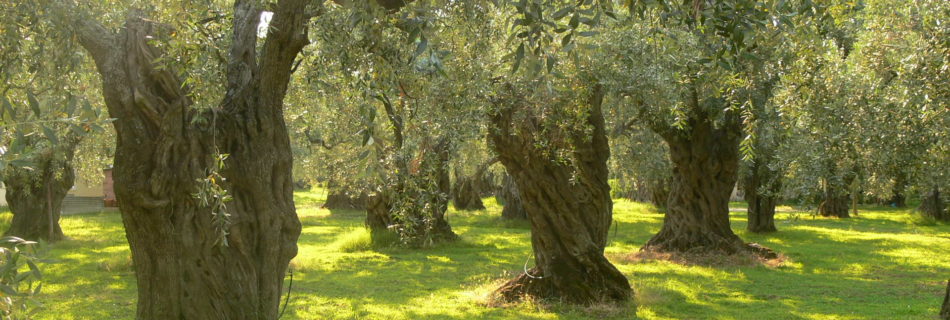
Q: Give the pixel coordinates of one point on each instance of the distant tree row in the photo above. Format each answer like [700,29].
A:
[218,110]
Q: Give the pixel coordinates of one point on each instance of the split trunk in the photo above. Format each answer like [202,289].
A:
[183,267]
[761,188]
[466,193]
[339,198]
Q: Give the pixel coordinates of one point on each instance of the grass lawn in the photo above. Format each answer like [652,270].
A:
[874,266]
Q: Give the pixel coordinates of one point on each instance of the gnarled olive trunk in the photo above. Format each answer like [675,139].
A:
[660,193]
[835,204]
[569,208]
[656,192]
[466,193]
[339,198]
[761,209]
[705,161]
[931,205]
[35,196]
[511,199]
[182,266]
[411,207]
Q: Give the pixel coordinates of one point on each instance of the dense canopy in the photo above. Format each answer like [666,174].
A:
[490,155]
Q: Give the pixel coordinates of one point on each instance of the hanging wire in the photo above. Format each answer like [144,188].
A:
[526,268]
[290,288]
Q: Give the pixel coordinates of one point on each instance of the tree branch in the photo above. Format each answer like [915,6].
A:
[285,39]
[92,35]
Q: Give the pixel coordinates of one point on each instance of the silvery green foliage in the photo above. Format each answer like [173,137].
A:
[639,158]
[20,278]
[392,80]
[45,90]
[871,117]
[818,96]
[902,65]
[713,60]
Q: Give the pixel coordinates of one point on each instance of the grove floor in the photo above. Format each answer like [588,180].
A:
[874,266]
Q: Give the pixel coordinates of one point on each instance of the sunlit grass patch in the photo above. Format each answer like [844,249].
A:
[874,266]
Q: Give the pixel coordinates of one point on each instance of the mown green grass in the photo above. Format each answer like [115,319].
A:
[874,266]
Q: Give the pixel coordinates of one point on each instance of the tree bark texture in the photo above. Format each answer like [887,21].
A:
[835,204]
[182,268]
[511,199]
[466,193]
[705,161]
[761,186]
[414,206]
[35,196]
[569,207]
[338,198]
[931,205]
[659,193]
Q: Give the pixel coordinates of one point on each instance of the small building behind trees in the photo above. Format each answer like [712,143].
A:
[84,196]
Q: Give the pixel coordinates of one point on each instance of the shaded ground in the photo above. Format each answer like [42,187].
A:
[875,266]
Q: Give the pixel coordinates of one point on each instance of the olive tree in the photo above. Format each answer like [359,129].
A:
[202,160]
[694,74]
[46,106]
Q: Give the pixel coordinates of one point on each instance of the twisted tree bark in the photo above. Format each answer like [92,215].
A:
[835,204]
[761,208]
[182,268]
[467,191]
[660,193]
[569,207]
[511,199]
[705,160]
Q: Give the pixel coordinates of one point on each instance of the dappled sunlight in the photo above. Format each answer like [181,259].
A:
[863,268]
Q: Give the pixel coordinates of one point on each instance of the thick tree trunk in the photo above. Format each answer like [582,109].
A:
[660,193]
[411,208]
[35,196]
[511,199]
[466,193]
[338,198]
[834,204]
[945,308]
[378,216]
[897,195]
[183,266]
[637,190]
[569,208]
[705,163]
[761,209]
[931,205]
[441,228]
